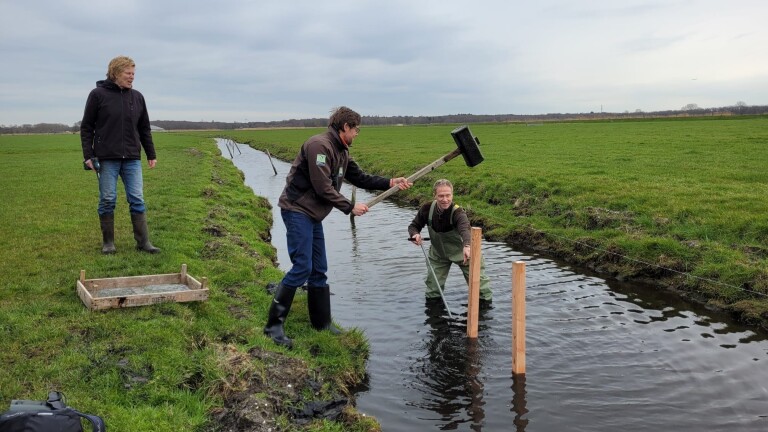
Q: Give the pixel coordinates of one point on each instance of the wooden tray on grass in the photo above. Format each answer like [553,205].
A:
[120,292]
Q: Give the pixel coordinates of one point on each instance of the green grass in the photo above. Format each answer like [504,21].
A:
[678,202]
[164,367]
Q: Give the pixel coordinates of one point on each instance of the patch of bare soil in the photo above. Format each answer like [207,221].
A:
[263,385]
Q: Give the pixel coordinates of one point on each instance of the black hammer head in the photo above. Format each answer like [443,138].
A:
[468,145]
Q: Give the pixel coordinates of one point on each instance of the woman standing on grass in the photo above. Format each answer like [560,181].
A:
[114,129]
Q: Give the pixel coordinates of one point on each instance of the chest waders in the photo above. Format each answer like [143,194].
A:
[448,248]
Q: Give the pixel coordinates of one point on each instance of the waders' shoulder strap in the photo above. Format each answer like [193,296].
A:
[431,212]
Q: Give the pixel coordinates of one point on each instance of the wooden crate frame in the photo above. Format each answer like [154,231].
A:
[87,288]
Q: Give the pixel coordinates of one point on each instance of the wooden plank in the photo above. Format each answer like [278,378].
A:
[149,299]
[193,283]
[132,281]
[84,295]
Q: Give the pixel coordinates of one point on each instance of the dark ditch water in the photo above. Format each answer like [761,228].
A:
[601,355]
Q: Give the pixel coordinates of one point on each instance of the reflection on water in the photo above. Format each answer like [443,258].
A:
[601,356]
[519,404]
[449,372]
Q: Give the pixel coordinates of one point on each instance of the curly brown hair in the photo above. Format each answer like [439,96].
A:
[344,115]
[117,65]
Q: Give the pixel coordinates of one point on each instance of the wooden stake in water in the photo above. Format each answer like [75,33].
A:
[518,318]
[473,305]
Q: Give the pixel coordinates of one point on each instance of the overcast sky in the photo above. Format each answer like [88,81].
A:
[248,60]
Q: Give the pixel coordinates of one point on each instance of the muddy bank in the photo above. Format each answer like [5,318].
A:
[612,263]
[282,393]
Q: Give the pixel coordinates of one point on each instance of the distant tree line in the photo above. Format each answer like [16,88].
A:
[37,128]
[689,110]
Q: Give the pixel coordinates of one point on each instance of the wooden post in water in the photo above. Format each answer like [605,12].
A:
[518,318]
[474,282]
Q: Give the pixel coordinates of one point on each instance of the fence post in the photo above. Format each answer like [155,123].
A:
[518,318]
[473,305]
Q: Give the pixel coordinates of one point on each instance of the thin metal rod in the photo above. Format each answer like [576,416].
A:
[432,270]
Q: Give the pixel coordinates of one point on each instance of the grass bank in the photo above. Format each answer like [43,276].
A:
[678,203]
[167,367]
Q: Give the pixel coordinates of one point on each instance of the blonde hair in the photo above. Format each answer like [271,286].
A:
[440,183]
[117,65]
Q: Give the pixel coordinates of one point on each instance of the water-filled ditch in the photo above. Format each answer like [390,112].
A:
[601,355]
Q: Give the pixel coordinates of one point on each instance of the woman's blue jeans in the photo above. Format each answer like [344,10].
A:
[306,247]
[130,172]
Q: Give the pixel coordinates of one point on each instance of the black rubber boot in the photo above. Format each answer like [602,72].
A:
[278,312]
[319,303]
[107,233]
[141,234]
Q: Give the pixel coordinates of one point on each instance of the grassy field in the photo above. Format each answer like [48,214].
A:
[680,203]
[167,367]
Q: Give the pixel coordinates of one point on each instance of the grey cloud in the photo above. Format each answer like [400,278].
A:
[233,59]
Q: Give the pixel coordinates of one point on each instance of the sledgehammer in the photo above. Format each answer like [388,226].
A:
[467,146]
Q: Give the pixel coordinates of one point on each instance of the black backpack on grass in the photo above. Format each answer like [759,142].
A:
[51,415]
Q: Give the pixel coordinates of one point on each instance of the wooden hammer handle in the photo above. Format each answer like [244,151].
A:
[415,176]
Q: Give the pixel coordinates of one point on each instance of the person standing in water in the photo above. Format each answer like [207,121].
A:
[450,236]
[311,192]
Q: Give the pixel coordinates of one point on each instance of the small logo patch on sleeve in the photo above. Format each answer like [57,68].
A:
[320,160]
